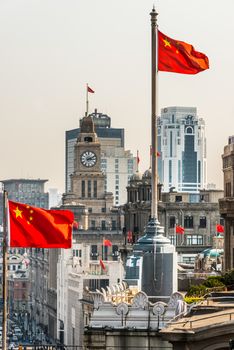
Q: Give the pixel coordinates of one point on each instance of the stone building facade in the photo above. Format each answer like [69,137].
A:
[197,213]
[132,322]
[79,270]
[89,264]
[226,204]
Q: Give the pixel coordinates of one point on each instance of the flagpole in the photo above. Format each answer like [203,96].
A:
[154,62]
[216,243]
[4,275]
[87,100]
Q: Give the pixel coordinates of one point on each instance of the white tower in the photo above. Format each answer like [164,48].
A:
[182,147]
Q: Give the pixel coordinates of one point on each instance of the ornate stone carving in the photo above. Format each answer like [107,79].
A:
[98,299]
[174,298]
[159,308]
[140,300]
[122,309]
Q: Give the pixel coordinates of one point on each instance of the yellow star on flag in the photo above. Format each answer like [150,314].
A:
[166,42]
[18,213]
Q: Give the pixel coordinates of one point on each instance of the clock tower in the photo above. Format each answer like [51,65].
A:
[88,180]
[87,149]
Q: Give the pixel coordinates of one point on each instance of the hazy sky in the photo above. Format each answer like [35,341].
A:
[51,48]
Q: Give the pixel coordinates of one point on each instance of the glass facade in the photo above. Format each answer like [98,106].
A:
[189,161]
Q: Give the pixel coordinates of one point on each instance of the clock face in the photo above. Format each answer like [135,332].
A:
[88,158]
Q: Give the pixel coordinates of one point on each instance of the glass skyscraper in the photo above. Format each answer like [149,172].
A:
[182,147]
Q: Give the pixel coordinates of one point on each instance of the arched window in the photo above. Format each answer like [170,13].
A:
[189,130]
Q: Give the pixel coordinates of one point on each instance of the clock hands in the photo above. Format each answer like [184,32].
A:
[88,158]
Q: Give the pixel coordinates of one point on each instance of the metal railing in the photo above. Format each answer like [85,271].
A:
[105,347]
[191,322]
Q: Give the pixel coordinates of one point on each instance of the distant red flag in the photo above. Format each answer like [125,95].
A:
[90,90]
[158,153]
[75,225]
[129,236]
[102,265]
[39,228]
[179,229]
[107,243]
[138,160]
[219,228]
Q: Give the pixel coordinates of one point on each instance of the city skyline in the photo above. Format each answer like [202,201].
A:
[50,50]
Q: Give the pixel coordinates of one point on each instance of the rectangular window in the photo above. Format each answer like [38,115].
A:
[83,188]
[115,252]
[188,259]
[179,171]
[113,225]
[95,188]
[94,252]
[178,199]
[194,239]
[228,189]
[97,284]
[199,171]
[172,221]
[105,252]
[89,188]
[170,172]
[170,143]
[188,221]
[75,252]
[103,225]
[93,225]
[103,210]
[202,223]
[173,239]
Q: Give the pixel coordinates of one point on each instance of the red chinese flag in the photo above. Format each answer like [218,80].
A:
[107,243]
[179,229]
[158,154]
[90,90]
[219,228]
[179,57]
[129,236]
[102,264]
[39,228]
